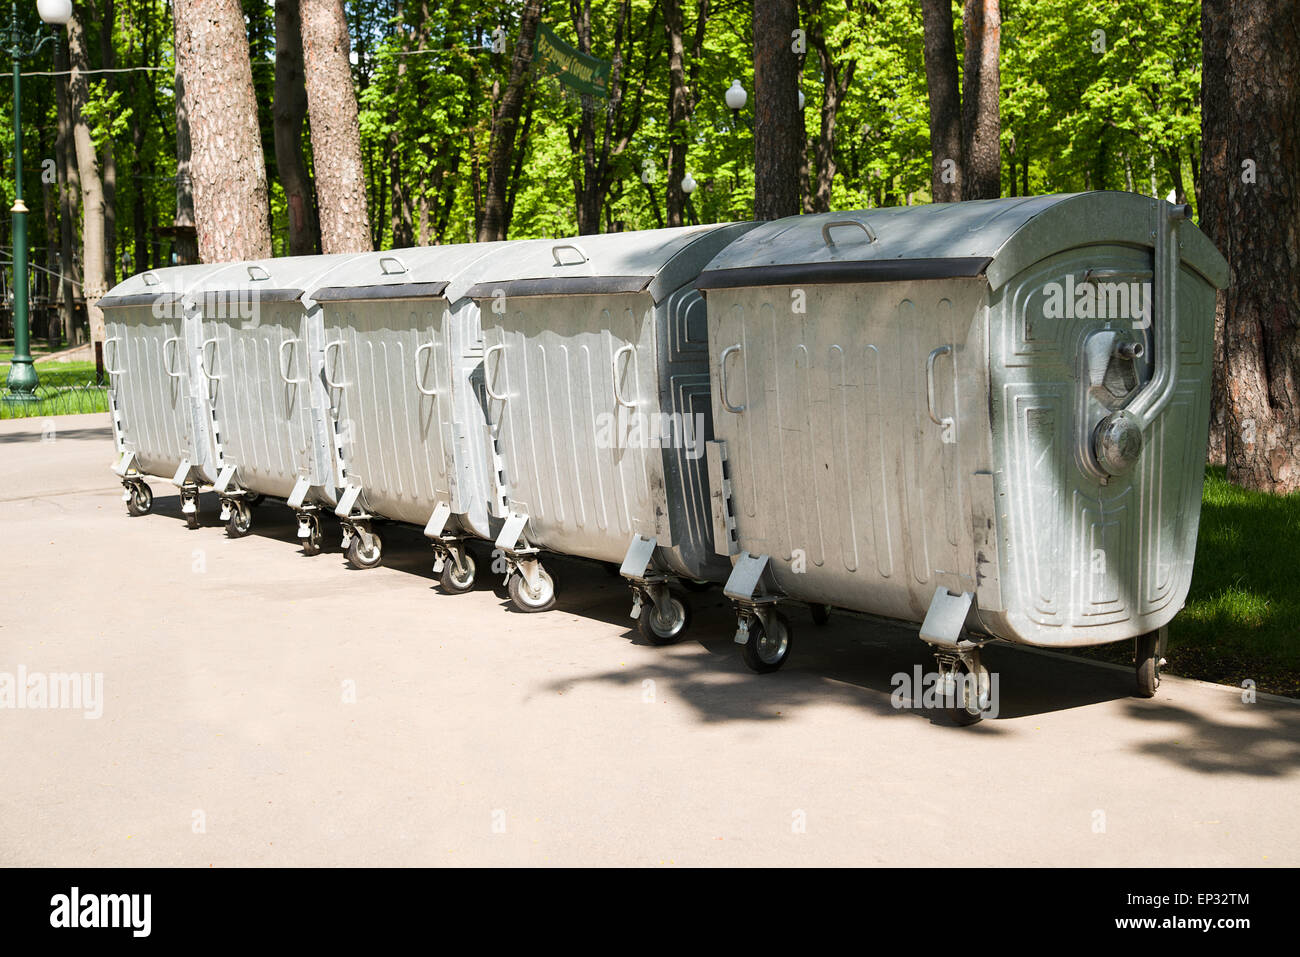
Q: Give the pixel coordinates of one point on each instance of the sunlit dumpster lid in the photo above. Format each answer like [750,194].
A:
[283,279]
[654,261]
[995,239]
[416,273]
[160,287]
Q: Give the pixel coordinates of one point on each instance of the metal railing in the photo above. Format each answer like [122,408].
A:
[60,392]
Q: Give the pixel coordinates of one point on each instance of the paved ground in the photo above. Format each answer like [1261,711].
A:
[483,736]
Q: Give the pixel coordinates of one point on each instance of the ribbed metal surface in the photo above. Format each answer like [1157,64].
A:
[153,407]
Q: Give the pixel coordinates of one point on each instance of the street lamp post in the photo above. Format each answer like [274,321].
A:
[22,380]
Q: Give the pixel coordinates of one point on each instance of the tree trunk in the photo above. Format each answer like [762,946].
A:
[777,120]
[678,113]
[288,113]
[185,242]
[92,189]
[66,170]
[948,157]
[505,126]
[1250,112]
[335,133]
[981,117]
[227,167]
[835,84]
[107,18]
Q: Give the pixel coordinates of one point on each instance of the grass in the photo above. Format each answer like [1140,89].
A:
[1240,621]
[65,388]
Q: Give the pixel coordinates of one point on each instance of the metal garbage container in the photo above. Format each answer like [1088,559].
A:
[989,418]
[596,372]
[262,358]
[162,419]
[405,370]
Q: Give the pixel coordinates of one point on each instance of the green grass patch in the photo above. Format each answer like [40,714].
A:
[1240,621]
[65,388]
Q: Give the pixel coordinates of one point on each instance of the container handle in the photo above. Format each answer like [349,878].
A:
[150,278]
[332,344]
[559,260]
[618,396]
[284,365]
[253,274]
[419,380]
[384,262]
[929,384]
[167,367]
[487,374]
[203,366]
[722,379]
[836,224]
[116,354]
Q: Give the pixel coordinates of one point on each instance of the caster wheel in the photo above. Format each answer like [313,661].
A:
[665,628]
[311,545]
[240,521]
[965,708]
[527,600]
[140,501]
[821,614]
[362,557]
[192,518]
[766,650]
[457,582]
[1148,664]
[254,500]
[692,584]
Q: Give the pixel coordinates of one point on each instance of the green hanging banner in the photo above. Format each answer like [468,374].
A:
[574,69]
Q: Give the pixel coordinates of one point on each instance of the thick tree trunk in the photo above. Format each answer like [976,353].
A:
[836,81]
[1251,131]
[679,108]
[335,133]
[185,242]
[505,127]
[948,156]
[288,113]
[227,167]
[777,120]
[92,188]
[69,187]
[981,117]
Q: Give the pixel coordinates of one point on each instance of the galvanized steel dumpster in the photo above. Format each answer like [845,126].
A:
[162,419]
[405,361]
[989,418]
[262,357]
[596,372]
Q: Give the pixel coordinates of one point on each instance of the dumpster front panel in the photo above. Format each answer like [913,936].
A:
[154,407]
[578,376]
[260,379]
[839,470]
[396,438]
[1086,561]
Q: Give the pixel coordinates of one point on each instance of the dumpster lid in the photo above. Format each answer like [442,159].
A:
[285,279]
[654,261]
[161,286]
[994,238]
[419,272]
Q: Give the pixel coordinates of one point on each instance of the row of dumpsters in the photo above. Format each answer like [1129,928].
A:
[985,418]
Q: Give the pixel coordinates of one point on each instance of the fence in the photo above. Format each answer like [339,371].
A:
[60,392]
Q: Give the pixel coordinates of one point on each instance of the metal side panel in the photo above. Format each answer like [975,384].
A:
[394,435]
[577,460]
[837,470]
[1084,562]
[153,407]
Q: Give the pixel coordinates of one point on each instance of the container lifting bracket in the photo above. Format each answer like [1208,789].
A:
[224,479]
[646,580]
[348,501]
[946,618]
[299,494]
[182,475]
[438,521]
[124,464]
[511,532]
[745,582]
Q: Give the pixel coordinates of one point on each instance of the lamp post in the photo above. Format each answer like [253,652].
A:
[22,380]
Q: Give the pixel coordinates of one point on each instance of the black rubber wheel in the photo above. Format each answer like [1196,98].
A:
[961,712]
[311,545]
[691,584]
[362,557]
[141,500]
[241,520]
[528,601]
[821,614]
[664,630]
[458,582]
[253,499]
[192,518]
[1148,664]
[765,652]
